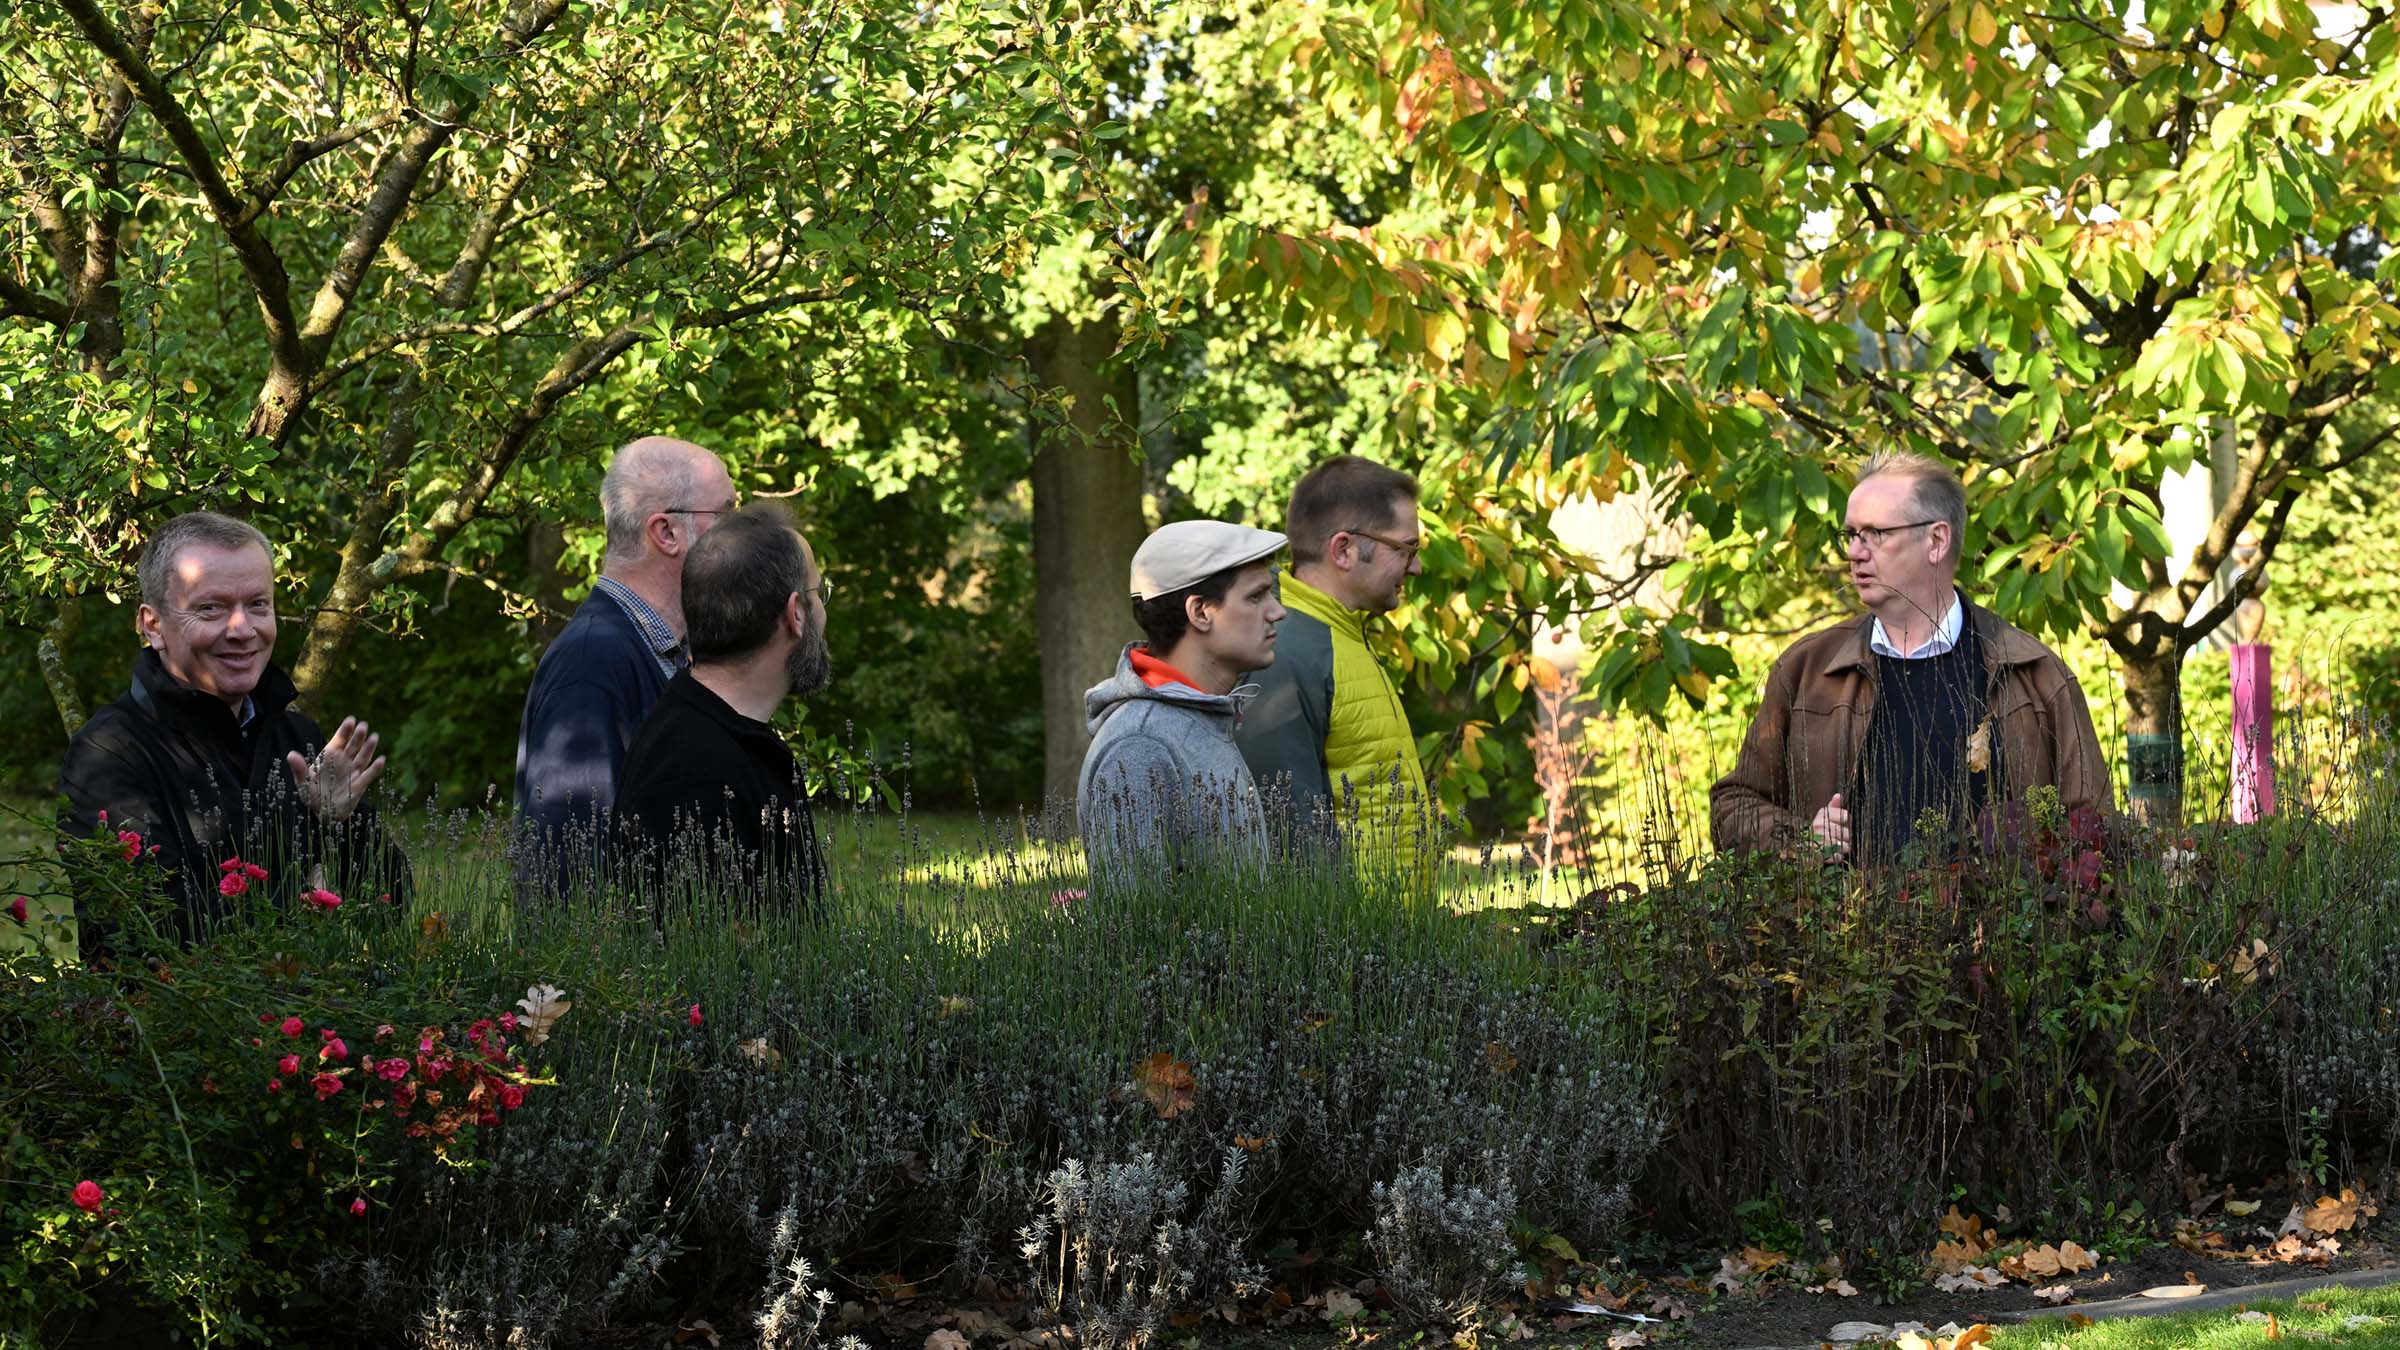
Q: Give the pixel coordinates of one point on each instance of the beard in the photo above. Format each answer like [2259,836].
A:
[810,664]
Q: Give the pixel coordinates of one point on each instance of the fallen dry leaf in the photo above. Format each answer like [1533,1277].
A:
[955,1005]
[2173,1291]
[2241,1209]
[945,1339]
[1626,1340]
[1166,1083]
[1838,1288]
[1850,1333]
[1731,1272]
[543,1005]
[759,1053]
[696,1329]
[1343,1306]
[2055,1294]
[1760,1260]
[2331,1215]
[1670,1307]
[1972,1280]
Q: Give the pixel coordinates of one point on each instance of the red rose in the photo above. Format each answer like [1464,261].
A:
[288,1065]
[131,843]
[89,1197]
[16,910]
[511,1096]
[335,1050]
[695,1014]
[326,1085]
[392,1070]
[232,883]
[254,871]
[323,899]
[359,1206]
[274,1085]
[293,1026]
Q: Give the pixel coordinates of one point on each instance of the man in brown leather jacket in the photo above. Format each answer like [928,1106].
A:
[1924,703]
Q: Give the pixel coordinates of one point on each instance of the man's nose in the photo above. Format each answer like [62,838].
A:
[239,621]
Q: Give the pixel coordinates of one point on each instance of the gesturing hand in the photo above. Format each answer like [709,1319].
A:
[1833,824]
[336,781]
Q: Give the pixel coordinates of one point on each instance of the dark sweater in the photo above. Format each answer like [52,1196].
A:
[709,795]
[181,769]
[1916,753]
[590,693]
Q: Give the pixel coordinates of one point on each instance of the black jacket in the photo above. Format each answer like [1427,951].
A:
[178,767]
[715,799]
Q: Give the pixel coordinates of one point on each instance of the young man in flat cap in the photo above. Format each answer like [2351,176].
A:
[1164,788]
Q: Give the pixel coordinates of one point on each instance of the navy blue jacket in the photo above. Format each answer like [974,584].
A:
[590,693]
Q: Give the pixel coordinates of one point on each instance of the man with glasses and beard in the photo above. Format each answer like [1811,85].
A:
[712,801]
[1326,739]
[598,681]
[1924,706]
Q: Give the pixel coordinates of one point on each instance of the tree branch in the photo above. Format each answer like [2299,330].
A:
[260,262]
[265,188]
[20,302]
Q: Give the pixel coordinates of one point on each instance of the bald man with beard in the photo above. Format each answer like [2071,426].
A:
[599,680]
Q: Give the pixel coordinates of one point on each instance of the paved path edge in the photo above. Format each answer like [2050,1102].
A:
[2234,1296]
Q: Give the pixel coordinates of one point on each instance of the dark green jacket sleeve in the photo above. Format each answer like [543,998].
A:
[1282,736]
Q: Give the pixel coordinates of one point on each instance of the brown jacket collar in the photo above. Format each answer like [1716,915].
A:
[2004,644]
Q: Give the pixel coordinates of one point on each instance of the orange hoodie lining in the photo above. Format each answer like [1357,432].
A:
[1155,672]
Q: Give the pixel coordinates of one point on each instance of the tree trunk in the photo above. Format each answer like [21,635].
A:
[51,652]
[356,581]
[1087,521]
[2154,734]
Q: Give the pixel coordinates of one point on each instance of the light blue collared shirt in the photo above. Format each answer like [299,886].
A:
[1945,635]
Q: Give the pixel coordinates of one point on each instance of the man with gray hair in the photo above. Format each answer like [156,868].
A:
[1924,706]
[601,677]
[203,767]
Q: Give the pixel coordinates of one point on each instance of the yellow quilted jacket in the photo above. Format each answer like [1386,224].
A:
[1326,733]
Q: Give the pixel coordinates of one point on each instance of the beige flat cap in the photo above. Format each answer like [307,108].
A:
[1192,551]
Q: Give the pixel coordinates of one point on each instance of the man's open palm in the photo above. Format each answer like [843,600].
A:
[336,781]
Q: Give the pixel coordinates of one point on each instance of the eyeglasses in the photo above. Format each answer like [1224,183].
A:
[1408,548]
[699,510]
[1875,535]
[823,590]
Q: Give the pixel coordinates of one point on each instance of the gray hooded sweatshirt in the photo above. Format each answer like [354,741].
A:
[1164,788]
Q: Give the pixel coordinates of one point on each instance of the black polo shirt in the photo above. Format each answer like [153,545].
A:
[713,803]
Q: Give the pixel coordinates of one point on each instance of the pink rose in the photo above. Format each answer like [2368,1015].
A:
[326,1085]
[231,884]
[293,1026]
[89,1197]
[131,843]
[383,1031]
[334,1050]
[274,1085]
[508,1021]
[358,1206]
[392,1070]
[695,1014]
[288,1065]
[17,911]
[254,871]
[323,899]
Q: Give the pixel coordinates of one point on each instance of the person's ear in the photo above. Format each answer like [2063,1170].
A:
[1195,613]
[1938,543]
[665,536]
[795,614]
[145,623]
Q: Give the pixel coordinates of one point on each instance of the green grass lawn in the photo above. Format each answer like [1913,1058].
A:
[2369,1317]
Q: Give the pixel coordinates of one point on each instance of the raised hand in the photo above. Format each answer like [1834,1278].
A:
[336,781]
[1833,824]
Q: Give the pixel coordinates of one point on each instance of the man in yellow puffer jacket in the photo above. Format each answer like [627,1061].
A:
[1326,733]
